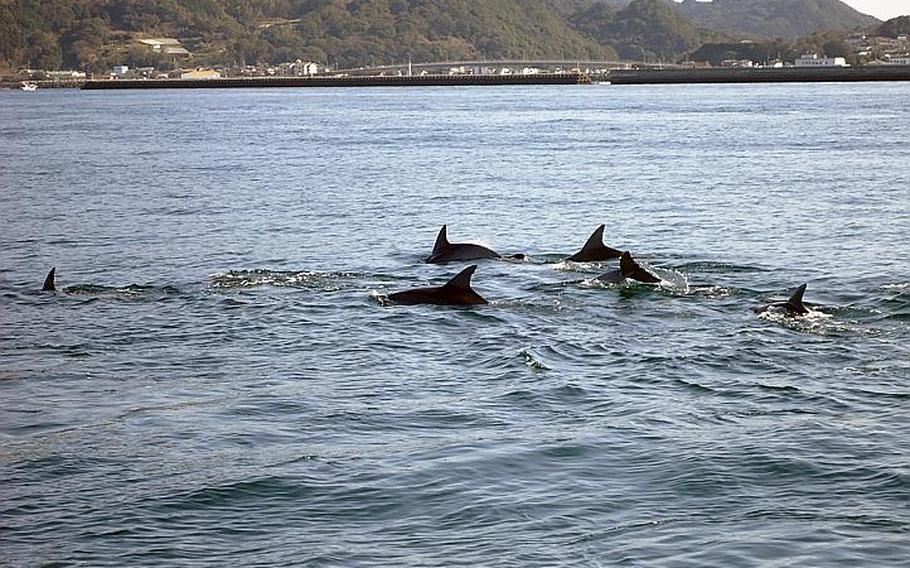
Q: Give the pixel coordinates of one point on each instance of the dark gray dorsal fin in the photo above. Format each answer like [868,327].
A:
[594,248]
[795,302]
[442,241]
[631,269]
[595,241]
[462,280]
[49,285]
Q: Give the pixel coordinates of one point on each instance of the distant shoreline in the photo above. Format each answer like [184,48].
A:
[615,77]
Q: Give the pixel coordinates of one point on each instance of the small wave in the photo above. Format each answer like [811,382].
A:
[695,387]
[869,393]
[778,388]
[633,525]
[718,267]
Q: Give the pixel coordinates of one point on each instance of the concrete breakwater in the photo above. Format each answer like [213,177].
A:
[760,75]
[372,81]
[64,84]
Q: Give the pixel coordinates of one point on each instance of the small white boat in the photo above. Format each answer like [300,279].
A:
[26,86]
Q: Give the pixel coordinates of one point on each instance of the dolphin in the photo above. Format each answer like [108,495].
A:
[444,251]
[795,304]
[595,249]
[455,292]
[49,285]
[628,268]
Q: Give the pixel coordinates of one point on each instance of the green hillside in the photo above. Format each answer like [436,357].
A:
[98,33]
[642,30]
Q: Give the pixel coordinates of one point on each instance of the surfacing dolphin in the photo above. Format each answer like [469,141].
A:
[795,304]
[49,284]
[444,251]
[630,269]
[455,292]
[595,249]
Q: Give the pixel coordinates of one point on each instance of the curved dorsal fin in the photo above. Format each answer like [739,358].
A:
[462,280]
[795,302]
[49,285]
[594,248]
[631,269]
[442,240]
[596,240]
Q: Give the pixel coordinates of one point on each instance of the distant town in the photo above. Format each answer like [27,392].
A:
[867,50]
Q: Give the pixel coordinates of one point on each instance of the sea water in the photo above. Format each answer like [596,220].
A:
[219,381]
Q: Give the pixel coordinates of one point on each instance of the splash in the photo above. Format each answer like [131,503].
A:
[815,322]
[533,361]
[240,279]
[132,292]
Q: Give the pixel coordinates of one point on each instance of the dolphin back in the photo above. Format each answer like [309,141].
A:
[455,292]
[631,269]
[444,251]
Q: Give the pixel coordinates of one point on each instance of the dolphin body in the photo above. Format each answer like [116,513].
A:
[630,269]
[49,284]
[444,251]
[595,249]
[455,292]
[795,304]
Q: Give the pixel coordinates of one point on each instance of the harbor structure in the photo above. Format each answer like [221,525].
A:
[813,60]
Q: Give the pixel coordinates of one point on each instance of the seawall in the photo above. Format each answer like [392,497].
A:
[761,75]
[373,81]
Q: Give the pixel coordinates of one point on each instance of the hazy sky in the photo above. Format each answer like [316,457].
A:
[882,9]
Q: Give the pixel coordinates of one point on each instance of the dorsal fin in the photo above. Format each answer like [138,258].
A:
[462,280]
[594,248]
[795,302]
[595,241]
[442,241]
[631,269]
[49,285]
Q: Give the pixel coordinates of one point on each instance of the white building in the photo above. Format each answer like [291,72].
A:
[120,70]
[903,60]
[813,60]
[201,74]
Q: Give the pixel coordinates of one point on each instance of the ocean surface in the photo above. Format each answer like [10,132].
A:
[219,380]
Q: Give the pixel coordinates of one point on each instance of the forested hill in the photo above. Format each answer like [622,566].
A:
[775,18]
[95,34]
